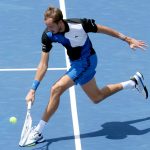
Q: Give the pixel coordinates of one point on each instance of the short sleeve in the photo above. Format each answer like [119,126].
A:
[46,43]
[89,25]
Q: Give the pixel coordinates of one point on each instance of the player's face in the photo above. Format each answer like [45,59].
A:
[53,26]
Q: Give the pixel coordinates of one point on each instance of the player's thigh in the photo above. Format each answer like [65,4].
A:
[63,83]
[91,89]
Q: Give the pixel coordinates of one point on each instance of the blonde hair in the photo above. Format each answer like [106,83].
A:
[54,13]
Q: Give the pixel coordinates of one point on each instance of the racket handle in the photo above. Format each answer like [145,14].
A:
[29,105]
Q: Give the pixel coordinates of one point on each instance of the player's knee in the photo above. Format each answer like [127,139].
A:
[96,99]
[56,90]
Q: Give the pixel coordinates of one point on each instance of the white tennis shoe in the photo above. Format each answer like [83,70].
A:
[139,84]
[34,137]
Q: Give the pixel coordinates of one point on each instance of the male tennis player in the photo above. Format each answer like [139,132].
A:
[73,35]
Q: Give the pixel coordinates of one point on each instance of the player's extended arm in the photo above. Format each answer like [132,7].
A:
[133,43]
[41,70]
[42,67]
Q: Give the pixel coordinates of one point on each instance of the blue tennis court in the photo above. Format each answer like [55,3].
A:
[122,121]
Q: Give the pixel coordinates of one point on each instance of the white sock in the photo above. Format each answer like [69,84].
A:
[40,126]
[128,84]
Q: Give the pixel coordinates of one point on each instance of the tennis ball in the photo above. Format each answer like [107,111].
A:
[13,120]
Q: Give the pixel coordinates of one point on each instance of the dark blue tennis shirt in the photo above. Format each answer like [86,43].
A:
[75,38]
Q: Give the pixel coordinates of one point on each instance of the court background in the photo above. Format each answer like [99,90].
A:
[121,121]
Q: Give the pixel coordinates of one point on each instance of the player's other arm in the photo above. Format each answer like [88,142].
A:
[41,70]
[133,43]
[42,67]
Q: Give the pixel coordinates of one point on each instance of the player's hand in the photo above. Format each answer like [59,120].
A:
[133,43]
[30,96]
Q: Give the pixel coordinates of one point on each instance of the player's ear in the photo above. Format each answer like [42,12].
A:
[60,22]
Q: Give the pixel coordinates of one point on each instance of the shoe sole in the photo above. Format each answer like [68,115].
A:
[34,143]
[141,78]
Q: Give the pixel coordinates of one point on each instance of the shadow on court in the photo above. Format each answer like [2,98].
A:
[111,130]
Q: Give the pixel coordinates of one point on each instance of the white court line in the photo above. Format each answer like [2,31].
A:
[72,95]
[29,69]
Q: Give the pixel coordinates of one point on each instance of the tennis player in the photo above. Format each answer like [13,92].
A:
[73,35]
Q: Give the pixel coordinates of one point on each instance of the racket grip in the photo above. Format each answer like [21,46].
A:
[29,105]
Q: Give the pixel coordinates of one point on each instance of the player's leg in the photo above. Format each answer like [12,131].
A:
[57,89]
[97,94]
[88,83]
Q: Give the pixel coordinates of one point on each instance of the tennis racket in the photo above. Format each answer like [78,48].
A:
[26,127]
